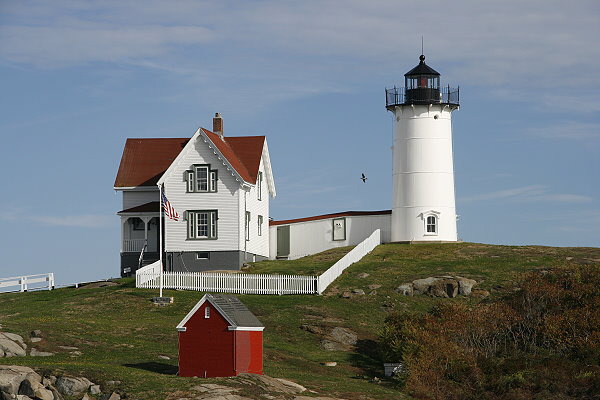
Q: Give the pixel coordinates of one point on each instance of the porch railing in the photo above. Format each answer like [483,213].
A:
[130,245]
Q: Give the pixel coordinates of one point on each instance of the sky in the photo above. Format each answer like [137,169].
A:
[79,77]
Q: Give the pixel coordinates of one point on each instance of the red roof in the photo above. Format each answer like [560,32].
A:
[145,160]
[326,216]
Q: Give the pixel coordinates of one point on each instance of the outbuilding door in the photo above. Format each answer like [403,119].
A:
[283,241]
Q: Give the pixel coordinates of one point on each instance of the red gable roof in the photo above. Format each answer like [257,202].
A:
[144,161]
[326,216]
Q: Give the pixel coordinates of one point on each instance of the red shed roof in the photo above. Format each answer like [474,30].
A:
[334,215]
[144,161]
[231,308]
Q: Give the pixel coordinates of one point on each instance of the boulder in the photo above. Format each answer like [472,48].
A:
[358,292]
[36,339]
[373,287]
[346,295]
[36,333]
[406,289]
[112,396]
[363,275]
[465,285]
[479,293]
[15,338]
[421,286]
[291,384]
[95,389]
[32,387]
[11,377]
[10,347]
[330,345]
[70,386]
[444,287]
[344,336]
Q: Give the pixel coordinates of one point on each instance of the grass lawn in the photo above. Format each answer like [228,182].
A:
[121,333]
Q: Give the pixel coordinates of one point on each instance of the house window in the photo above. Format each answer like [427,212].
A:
[431,224]
[202,224]
[259,185]
[207,312]
[202,255]
[137,224]
[201,179]
[247,225]
[260,222]
[339,229]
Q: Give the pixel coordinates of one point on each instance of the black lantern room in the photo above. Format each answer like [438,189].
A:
[422,84]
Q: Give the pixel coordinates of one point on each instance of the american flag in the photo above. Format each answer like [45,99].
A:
[169,210]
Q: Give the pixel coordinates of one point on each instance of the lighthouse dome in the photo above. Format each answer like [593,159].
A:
[422,69]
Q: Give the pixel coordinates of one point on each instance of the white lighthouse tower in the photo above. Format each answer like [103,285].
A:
[423,208]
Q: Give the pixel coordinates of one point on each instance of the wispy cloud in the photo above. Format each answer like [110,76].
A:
[532,193]
[572,130]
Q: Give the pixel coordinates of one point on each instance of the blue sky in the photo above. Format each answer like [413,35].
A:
[79,77]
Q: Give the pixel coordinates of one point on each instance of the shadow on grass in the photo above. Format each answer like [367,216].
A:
[152,366]
[366,357]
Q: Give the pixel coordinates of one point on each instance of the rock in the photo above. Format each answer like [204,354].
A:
[70,386]
[291,384]
[330,345]
[113,383]
[362,275]
[406,289]
[11,377]
[23,397]
[32,387]
[444,287]
[36,333]
[344,336]
[112,396]
[465,285]
[87,397]
[15,338]
[312,329]
[49,380]
[479,293]
[329,363]
[421,286]
[373,287]
[269,384]
[569,258]
[36,339]
[68,348]
[75,353]
[346,295]
[358,292]
[95,389]
[36,353]
[372,292]
[164,357]
[10,347]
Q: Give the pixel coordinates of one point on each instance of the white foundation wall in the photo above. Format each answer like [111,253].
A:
[225,200]
[311,237]
[248,199]
[133,198]
[423,173]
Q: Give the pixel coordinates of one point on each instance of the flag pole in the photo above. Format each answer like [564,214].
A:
[160,284]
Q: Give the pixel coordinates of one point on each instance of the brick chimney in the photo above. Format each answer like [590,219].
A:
[218,125]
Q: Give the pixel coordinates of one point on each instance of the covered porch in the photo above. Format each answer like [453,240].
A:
[139,231]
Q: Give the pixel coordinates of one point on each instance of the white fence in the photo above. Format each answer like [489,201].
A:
[26,281]
[149,277]
[354,255]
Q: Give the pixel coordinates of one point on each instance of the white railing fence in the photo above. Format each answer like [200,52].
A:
[149,277]
[131,245]
[354,255]
[29,282]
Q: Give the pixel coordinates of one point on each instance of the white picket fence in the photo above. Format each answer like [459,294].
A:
[354,255]
[29,282]
[149,277]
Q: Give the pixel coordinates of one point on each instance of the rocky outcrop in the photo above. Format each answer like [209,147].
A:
[438,286]
[12,345]
[23,383]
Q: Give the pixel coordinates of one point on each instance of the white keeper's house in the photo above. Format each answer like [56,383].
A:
[221,186]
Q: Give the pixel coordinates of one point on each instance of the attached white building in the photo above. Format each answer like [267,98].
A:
[219,186]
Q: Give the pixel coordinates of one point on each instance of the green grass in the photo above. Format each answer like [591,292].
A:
[121,333]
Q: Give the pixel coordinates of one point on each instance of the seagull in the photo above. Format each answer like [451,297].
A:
[363,178]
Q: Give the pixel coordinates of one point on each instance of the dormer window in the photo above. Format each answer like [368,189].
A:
[201,179]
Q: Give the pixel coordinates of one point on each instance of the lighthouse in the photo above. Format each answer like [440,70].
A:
[423,204]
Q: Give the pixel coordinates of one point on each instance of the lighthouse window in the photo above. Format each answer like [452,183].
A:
[431,224]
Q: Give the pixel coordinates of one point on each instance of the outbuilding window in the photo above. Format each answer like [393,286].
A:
[207,312]
[201,179]
[202,224]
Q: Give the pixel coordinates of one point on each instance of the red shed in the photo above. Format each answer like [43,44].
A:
[220,337]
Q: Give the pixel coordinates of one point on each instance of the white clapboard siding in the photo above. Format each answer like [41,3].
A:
[225,200]
[133,198]
[361,250]
[229,283]
[249,201]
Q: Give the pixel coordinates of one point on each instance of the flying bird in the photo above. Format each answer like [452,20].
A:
[363,178]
